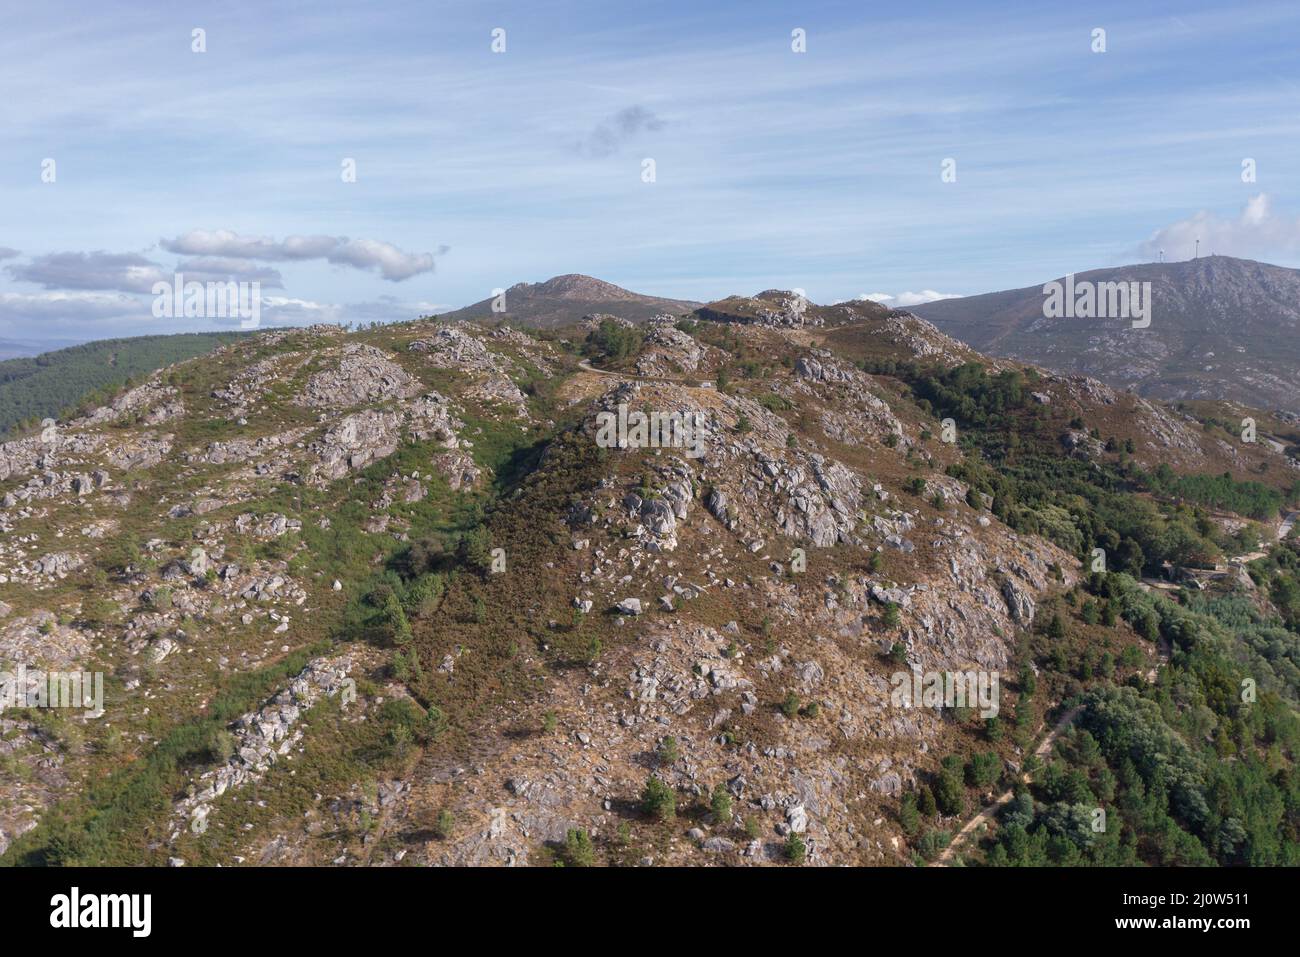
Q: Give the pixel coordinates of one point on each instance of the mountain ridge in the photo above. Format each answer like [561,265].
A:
[1222,328]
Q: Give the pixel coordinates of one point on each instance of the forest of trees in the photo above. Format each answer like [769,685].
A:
[47,385]
[1196,769]
[613,340]
[1253,499]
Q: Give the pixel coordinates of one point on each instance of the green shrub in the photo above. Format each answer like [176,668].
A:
[444,824]
[909,815]
[949,792]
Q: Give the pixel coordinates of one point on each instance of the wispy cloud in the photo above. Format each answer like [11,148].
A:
[285,310]
[612,134]
[225,269]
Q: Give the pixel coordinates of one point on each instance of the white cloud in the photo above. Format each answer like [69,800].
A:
[34,315]
[283,310]
[367,254]
[905,299]
[1256,233]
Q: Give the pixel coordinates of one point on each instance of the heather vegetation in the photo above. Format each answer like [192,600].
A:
[483,604]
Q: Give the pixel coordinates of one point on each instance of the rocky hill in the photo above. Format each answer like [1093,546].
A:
[1222,328]
[567,299]
[387,597]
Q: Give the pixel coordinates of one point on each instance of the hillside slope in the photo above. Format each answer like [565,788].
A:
[387,597]
[1222,328]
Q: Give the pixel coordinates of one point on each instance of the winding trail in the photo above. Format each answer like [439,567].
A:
[586,366]
[1162,659]
[986,815]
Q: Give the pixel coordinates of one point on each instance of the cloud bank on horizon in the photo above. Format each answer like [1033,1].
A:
[904,299]
[1257,232]
[975,149]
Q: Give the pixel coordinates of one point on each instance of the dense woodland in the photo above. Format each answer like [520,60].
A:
[51,384]
[1197,768]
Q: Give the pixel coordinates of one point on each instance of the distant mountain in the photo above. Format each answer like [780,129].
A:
[565,299]
[1221,328]
[10,349]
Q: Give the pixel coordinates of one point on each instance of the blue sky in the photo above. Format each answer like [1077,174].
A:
[475,170]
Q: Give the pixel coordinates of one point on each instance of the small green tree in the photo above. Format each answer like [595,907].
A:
[790,706]
[983,769]
[578,849]
[949,792]
[933,843]
[909,816]
[892,616]
[720,805]
[795,849]
[993,729]
[925,803]
[658,800]
[668,753]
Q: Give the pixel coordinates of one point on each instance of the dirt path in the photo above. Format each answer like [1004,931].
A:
[586,366]
[1283,530]
[986,815]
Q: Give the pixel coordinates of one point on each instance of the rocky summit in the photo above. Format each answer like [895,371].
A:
[389,597]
